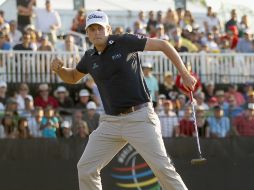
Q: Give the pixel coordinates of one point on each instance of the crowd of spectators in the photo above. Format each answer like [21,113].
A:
[54,113]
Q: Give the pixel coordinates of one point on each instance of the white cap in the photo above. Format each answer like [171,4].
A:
[61,89]
[3,84]
[66,124]
[91,105]
[84,92]
[147,65]
[97,17]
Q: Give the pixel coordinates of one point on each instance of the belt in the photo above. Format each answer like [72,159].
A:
[133,108]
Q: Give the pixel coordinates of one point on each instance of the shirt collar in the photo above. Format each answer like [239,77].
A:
[110,42]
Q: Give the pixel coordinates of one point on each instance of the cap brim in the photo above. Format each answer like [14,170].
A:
[100,23]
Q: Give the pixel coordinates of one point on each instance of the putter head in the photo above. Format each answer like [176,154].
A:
[198,161]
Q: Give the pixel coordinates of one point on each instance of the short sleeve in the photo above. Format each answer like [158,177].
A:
[82,66]
[134,42]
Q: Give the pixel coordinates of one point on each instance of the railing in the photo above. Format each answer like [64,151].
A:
[34,67]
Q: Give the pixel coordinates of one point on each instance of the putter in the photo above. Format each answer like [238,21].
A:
[200,160]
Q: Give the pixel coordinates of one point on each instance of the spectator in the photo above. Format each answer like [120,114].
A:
[79,22]
[178,44]
[3,90]
[23,92]
[30,29]
[25,45]
[49,123]
[48,21]
[25,12]
[45,44]
[200,100]
[139,28]
[181,105]
[244,124]
[232,21]
[212,21]
[77,118]
[142,20]
[3,22]
[188,19]
[219,124]
[66,129]
[233,90]
[186,125]
[233,110]
[82,130]
[212,45]
[209,90]
[118,30]
[202,123]
[91,116]
[23,130]
[244,24]
[12,109]
[170,21]
[28,110]
[151,82]
[180,13]
[151,24]
[84,97]
[160,32]
[167,87]
[4,44]
[64,100]
[231,38]
[34,122]
[168,119]
[245,43]
[15,34]
[10,127]
[44,99]
[220,96]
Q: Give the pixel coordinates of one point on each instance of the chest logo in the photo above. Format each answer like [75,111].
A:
[95,66]
[116,56]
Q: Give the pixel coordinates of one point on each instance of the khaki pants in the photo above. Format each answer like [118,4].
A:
[142,130]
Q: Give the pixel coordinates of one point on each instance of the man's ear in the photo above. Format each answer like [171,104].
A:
[109,29]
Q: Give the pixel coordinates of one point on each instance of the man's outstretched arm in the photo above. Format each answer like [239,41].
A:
[68,75]
[161,45]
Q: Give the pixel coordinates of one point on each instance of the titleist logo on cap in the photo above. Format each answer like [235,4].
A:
[94,16]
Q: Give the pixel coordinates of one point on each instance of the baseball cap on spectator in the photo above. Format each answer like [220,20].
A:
[200,108]
[3,84]
[60,89]
[91,106]
[84,92]
[219,93]
[29,27]
[213,100]
[147,65]
[209,83]
[181,96]
[66,124]
[97,17]
[168,73]
[250,106]
[188,28]
[43,87]
[162,96]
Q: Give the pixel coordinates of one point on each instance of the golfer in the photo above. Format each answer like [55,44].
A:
[129,115]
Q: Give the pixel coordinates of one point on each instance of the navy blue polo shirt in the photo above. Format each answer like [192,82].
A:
[117,72]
